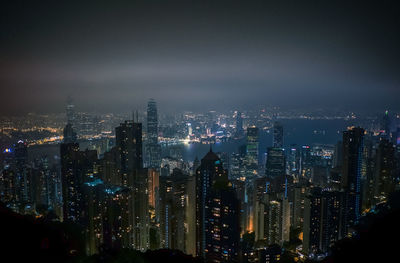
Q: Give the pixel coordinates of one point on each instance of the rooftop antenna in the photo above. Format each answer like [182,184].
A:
[137,116]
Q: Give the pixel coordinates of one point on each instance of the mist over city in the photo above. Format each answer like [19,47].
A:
[199,131]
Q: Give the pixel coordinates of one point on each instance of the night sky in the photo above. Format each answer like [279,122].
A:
[198,55]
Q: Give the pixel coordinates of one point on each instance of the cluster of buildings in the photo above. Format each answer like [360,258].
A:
[225,207]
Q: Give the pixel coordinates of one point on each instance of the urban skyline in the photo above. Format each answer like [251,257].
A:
[199,132]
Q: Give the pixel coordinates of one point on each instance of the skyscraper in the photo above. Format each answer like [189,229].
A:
[153,149]
[129,144]
[252,152]
[134,177]
[353,141]
[239,125]
[385,180]
[277,140]
[323,220]
[275,168]
[173,195]
[217,212]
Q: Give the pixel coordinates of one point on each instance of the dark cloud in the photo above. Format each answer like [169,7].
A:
[190,55]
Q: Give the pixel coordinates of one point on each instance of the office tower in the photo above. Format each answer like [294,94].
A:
[173,195]
[277,140]
[385,180]
[353,141]
[70,110]
[217,212]
[293,162]
[323,220]
[239,125]
[252,152]
[306,162]
[275,168]
[153,149]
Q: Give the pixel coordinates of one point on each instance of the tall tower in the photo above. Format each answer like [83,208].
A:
[217,212]
[239,124]
[277,140]
[133,176]
[70,109]
[153,150]
[353,141]
[129,144]
[252,151]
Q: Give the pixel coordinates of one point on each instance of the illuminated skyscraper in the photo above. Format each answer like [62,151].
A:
[353,141]
[252,152]
[173,202]
[206,174]
[385,178]
[134,177]
[129,144]
[153,149]
[323,220]
[217,212]
[275,168]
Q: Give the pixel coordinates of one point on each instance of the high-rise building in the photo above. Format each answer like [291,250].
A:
[206,174]
[217,212]
[222,229]
[293,162]
[385,178]
[153,149]
[275,168]
[134,177]
[239,125]
[173,196]
[252,152]
[76,168]
[353,141]
[323,220]
[118,225]
[277,140]
[93,207]
[129,144]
